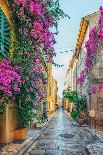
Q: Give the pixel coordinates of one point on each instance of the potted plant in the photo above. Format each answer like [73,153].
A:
[80,106]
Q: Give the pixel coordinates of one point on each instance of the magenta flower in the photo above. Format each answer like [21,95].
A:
[93,43]
[101,9]
[38,26]
[31,6]
[37,9]
[10,80]
[23,2]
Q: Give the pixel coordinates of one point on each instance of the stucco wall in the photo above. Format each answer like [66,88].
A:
[8,123]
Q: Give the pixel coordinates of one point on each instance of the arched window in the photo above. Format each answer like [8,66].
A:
[4,34]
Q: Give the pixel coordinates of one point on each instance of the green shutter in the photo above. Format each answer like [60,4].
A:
[4,34]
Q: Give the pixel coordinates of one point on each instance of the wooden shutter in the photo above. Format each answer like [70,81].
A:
[4,34]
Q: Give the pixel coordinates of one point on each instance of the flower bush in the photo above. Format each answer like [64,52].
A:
[33,48]
[81,78]
[79,103]
[93,45]
[95,41]
[35,19]
[95,89]
[10,80]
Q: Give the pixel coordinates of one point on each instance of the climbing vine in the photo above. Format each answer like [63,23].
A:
[33,47]
[93,45]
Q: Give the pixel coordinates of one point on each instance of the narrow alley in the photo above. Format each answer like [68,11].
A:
[51,77]
[61,137]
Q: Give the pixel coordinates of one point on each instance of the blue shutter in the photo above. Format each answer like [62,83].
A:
[4,34]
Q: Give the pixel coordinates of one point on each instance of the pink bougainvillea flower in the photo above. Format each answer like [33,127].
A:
[23,2]
[100,34]
[10,80]
[38,26]
[37,8]
[31,6]
[101,9]
[96,89]
[100,21]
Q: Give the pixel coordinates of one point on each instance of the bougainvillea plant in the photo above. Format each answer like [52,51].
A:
[96,89]
[33,43]
[95,41]
[80,79]
[93,45]
[10,80]
[10,83]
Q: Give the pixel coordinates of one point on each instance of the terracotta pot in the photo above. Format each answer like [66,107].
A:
[21,133]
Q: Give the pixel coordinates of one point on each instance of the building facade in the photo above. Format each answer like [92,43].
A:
[90,21]
[51,91]
[71,81]
[59,101]
[95,74]
[55,90]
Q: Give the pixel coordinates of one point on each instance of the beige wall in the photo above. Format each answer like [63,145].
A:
[51,90]
[55,90]
[8,123]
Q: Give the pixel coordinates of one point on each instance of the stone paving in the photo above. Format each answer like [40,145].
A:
[20,145]
[63,138]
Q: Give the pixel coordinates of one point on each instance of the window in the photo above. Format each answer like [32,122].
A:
[4,34]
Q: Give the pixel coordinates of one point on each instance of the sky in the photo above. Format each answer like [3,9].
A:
[68,32]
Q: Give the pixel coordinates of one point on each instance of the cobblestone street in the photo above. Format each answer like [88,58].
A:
[63,138]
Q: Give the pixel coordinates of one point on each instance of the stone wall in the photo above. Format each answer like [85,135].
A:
[96,78]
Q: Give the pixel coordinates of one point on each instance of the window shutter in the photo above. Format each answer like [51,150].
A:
[4,34]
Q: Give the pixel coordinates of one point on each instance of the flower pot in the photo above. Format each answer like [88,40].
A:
[21,133]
